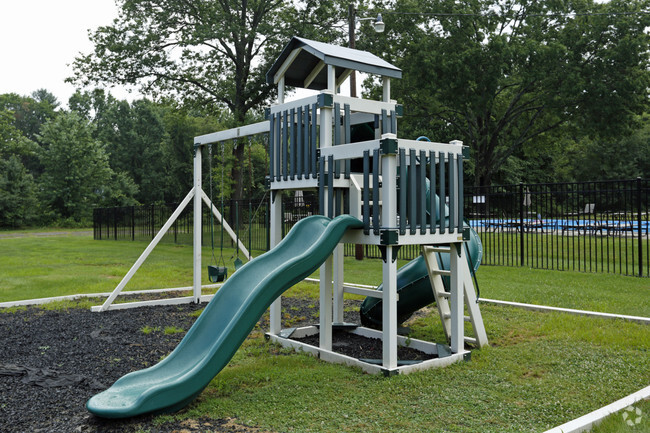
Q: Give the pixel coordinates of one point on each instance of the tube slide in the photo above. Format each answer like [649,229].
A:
[224,324]
[413,286]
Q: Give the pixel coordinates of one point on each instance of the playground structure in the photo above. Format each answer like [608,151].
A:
[374,189]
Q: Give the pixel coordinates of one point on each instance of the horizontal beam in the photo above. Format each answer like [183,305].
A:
[545,308]
[41,301]
[308,100]
[373,293]
[365,105]
[355,150]
[230,134]
[429,145]
[169,301]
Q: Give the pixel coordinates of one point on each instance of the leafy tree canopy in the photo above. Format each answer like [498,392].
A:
[211,55]
[503,74]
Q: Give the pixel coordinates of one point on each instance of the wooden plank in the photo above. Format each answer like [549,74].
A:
[233,133]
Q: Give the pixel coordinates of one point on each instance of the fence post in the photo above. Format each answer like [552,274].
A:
[638,221]
[132,223]
[153,216]
[521,224]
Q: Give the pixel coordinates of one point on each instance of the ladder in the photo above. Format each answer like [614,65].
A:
[442,297]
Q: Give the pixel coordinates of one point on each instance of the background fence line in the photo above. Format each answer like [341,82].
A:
[583,226]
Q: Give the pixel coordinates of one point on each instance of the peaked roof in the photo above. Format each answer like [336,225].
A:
[302,64]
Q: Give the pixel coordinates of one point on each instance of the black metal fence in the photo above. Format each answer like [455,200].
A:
[586,226]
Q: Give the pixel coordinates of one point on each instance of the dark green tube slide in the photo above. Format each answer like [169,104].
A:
[413,286]
[224,324]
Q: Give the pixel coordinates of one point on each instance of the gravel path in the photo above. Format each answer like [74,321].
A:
[53,361]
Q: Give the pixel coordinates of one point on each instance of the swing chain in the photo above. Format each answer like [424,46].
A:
[211,203]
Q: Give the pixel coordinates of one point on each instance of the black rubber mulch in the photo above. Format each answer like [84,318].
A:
[51,362]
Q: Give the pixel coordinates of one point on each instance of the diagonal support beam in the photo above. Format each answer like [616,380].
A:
[148,250]
[225,225]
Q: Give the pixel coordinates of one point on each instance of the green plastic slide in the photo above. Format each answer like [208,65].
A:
[224,324]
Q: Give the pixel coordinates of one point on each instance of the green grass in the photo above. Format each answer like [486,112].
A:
[41,267]
[173,330]
[541,370]
[609,293]
[148,329]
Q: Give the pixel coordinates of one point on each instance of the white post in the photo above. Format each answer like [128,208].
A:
[331,78]
[275,312]
[198,228]
[389,274]
[385,89]
[389,312]
[325,338]
[338,284]
[275,325]
[326,269]
[281,90]
[457,303]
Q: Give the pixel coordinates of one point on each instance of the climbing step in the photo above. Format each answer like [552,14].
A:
[443,297]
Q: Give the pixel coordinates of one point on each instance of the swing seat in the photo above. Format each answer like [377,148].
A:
[238,263]
[217,274]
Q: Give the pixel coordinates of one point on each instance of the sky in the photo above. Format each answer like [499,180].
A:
[39,40]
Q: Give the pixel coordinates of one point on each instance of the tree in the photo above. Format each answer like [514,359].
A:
[18,202]
[77,173]
[504,74]
[30,112]
[212,55]
[609,158]
[12,140]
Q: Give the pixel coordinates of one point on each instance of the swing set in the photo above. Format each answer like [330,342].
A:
[217,270]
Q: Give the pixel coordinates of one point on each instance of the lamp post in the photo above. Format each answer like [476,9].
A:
[379,27]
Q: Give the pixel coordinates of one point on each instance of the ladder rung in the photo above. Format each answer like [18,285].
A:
[471,340]
[444,294]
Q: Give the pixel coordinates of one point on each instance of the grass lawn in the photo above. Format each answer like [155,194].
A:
[541,370]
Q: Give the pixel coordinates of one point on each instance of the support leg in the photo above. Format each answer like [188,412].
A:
[325,341]
[197,229]
[389,311]
[457,299]
[338,284]
[275,325]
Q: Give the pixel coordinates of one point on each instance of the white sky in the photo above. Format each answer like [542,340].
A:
[39,40]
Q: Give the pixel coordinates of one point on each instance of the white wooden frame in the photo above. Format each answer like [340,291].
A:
[197,195]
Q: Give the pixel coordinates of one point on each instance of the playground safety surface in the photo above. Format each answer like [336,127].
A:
[52,361]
